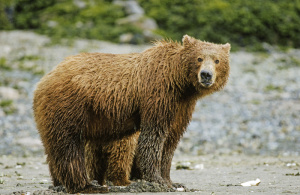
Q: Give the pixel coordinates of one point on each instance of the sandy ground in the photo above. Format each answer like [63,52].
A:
[257,113]
[208,174]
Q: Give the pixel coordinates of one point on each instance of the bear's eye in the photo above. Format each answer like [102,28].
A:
[217,61]
[200,59]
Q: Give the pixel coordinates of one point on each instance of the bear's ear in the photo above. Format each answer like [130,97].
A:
[226,47]
[188,41]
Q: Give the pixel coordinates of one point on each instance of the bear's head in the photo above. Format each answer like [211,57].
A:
[208,63]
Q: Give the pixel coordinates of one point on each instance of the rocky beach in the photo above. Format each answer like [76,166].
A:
[256,116]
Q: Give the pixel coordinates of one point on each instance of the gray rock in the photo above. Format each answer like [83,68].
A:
[131,7]
[126,38]
[148,24]
[137,18]
[9,93]
[1,115]
[80,4]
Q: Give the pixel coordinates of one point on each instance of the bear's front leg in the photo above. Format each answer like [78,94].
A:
[176,130]
[167,155]
[149,154]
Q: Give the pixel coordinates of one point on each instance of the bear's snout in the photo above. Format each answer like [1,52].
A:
[206,78]
[206,75]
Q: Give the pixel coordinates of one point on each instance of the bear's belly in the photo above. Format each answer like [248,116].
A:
[101,128]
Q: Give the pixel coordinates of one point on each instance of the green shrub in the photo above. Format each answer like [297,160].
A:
[64,19]
[5,22]
[244,23]
[28,13]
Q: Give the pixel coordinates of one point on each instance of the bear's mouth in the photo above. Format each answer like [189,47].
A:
[206,84]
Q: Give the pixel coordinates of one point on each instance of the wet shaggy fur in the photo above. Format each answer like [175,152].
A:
[95,112]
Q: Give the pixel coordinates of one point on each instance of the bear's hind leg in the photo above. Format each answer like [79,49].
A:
[120,159]
[52,170]
[67,164]
[149,155]
[96,161]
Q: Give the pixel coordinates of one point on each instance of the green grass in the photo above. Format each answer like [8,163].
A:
[7,106]
[295,62]
[6,103]
[35,69]
[256,102]
[271,87]
[4,65]
[29,57]
[250,70]
[288,62]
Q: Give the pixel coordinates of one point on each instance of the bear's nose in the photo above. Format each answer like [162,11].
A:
[206,75]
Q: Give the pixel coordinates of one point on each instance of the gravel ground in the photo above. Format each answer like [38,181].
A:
[257,113]
[209,174]
[249,130]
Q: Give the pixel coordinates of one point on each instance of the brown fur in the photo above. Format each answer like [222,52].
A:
[91,109]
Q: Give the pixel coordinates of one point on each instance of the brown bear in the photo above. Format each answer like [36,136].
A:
[95,112]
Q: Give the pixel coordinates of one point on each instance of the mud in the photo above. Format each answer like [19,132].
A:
[208,174]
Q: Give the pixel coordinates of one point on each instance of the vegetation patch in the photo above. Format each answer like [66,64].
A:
[4,65]
[29,57]
[33,68]
[243,23]
[69,19]
[7,106]
[273,88]
[288,62]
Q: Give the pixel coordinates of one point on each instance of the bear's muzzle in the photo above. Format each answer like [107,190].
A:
[206,78]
